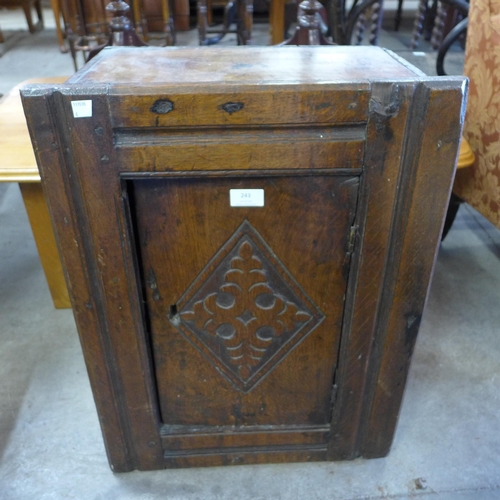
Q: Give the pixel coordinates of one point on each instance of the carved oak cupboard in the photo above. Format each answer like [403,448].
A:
[248,236]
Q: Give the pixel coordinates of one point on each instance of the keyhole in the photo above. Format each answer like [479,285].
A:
[173,311]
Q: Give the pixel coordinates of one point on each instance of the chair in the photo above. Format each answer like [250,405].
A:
[480,184]
[310,21]
[122,32]
[154,20]
[87,23]
[347,22]
[26,5]
[238,12]
[437,18]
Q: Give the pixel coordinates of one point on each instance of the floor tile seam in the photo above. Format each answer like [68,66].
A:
[423,494]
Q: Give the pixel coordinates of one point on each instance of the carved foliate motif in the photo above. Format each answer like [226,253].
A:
[244,311]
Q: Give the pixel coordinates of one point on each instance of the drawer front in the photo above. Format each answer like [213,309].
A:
[332,104]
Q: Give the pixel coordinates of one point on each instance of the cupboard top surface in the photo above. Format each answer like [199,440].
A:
[243,65]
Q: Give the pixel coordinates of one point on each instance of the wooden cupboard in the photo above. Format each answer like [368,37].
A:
[248,236]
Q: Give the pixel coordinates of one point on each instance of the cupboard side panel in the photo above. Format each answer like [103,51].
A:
[421,221]
[49,143]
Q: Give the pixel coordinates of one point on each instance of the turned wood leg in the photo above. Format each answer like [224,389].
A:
[376,21]
[249,21]
[418,26]
[437,31]
[359,31]
[202,21]
[167,23]
[39,218]
[277,21]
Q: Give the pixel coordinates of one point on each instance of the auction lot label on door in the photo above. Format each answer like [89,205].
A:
[246,197]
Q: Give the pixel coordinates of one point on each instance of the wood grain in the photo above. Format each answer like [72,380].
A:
[259,149]
[38,214]
[219,335]
[199,213]
[260,105]
[47,128]
[245,66]
[385,137]
[428,188]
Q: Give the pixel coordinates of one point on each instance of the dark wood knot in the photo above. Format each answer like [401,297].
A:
[232,107]
[162,106]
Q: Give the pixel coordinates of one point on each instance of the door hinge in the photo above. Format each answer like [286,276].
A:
[335,391]
[333,400]
[352,239]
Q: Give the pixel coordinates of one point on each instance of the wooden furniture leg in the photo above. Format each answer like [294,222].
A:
[39,218]
[418,25]
[466,159]
[277,21]
[439,24]
[308,31]
[181,15]
[167,23]
[202,11]
[399,15]
[29,20]
[39,12]
[26,6]
[246,18]
[56,8]
[376,21]
[237,12]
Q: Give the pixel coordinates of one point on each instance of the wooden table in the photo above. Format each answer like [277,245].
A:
[17,164]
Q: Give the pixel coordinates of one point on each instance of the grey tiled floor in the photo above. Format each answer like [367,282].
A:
[50,442]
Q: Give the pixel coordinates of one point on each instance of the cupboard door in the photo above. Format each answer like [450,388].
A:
[244,304]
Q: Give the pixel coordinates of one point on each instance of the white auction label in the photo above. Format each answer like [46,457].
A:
[246,197]
[82,109]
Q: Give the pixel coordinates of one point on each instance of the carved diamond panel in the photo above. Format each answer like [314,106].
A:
[245,312]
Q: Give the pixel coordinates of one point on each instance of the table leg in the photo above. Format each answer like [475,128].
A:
[39,218]
[277,21]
